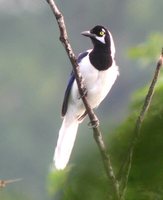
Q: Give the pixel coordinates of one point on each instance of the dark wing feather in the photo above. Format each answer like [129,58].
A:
[81,56]
[67,94]
[69,86]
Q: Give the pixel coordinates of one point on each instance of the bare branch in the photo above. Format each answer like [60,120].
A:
[93,118]
[125,169]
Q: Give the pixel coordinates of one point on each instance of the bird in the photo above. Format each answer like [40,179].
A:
[3,183]
[99,72]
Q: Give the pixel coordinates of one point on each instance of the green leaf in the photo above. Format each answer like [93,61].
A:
[148,51]
[57,180]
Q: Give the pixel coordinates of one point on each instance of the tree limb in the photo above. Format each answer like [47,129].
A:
[125,169]
[93,118]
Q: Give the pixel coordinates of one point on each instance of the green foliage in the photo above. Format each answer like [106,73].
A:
[148,51]
[146,174]
[57,180]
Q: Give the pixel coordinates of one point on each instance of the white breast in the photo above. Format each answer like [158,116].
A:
[98,83]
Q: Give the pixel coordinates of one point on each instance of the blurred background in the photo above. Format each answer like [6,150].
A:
[34,71]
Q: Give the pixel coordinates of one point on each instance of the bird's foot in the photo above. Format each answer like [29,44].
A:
[94,124]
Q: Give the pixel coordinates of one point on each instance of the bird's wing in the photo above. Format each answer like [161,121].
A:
[82,55]
[67,94]
[70,83]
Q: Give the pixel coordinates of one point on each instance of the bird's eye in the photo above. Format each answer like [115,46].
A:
[101,33]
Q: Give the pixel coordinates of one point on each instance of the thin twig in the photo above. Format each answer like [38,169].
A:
[125,169]
[93,118]
[3,183]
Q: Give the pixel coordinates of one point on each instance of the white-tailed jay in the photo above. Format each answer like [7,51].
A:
[99,72]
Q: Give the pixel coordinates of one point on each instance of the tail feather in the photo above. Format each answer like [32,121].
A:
[65,143]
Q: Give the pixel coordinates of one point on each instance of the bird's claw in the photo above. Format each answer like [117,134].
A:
[94,124]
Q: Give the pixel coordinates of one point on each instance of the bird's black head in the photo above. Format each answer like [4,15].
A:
[103,53]
[98,34]
[101,38]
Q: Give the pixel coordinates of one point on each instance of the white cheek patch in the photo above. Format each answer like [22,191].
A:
[101,39]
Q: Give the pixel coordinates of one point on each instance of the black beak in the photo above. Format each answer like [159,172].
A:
[88,34]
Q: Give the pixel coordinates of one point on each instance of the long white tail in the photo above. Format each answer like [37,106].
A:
[65,143]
